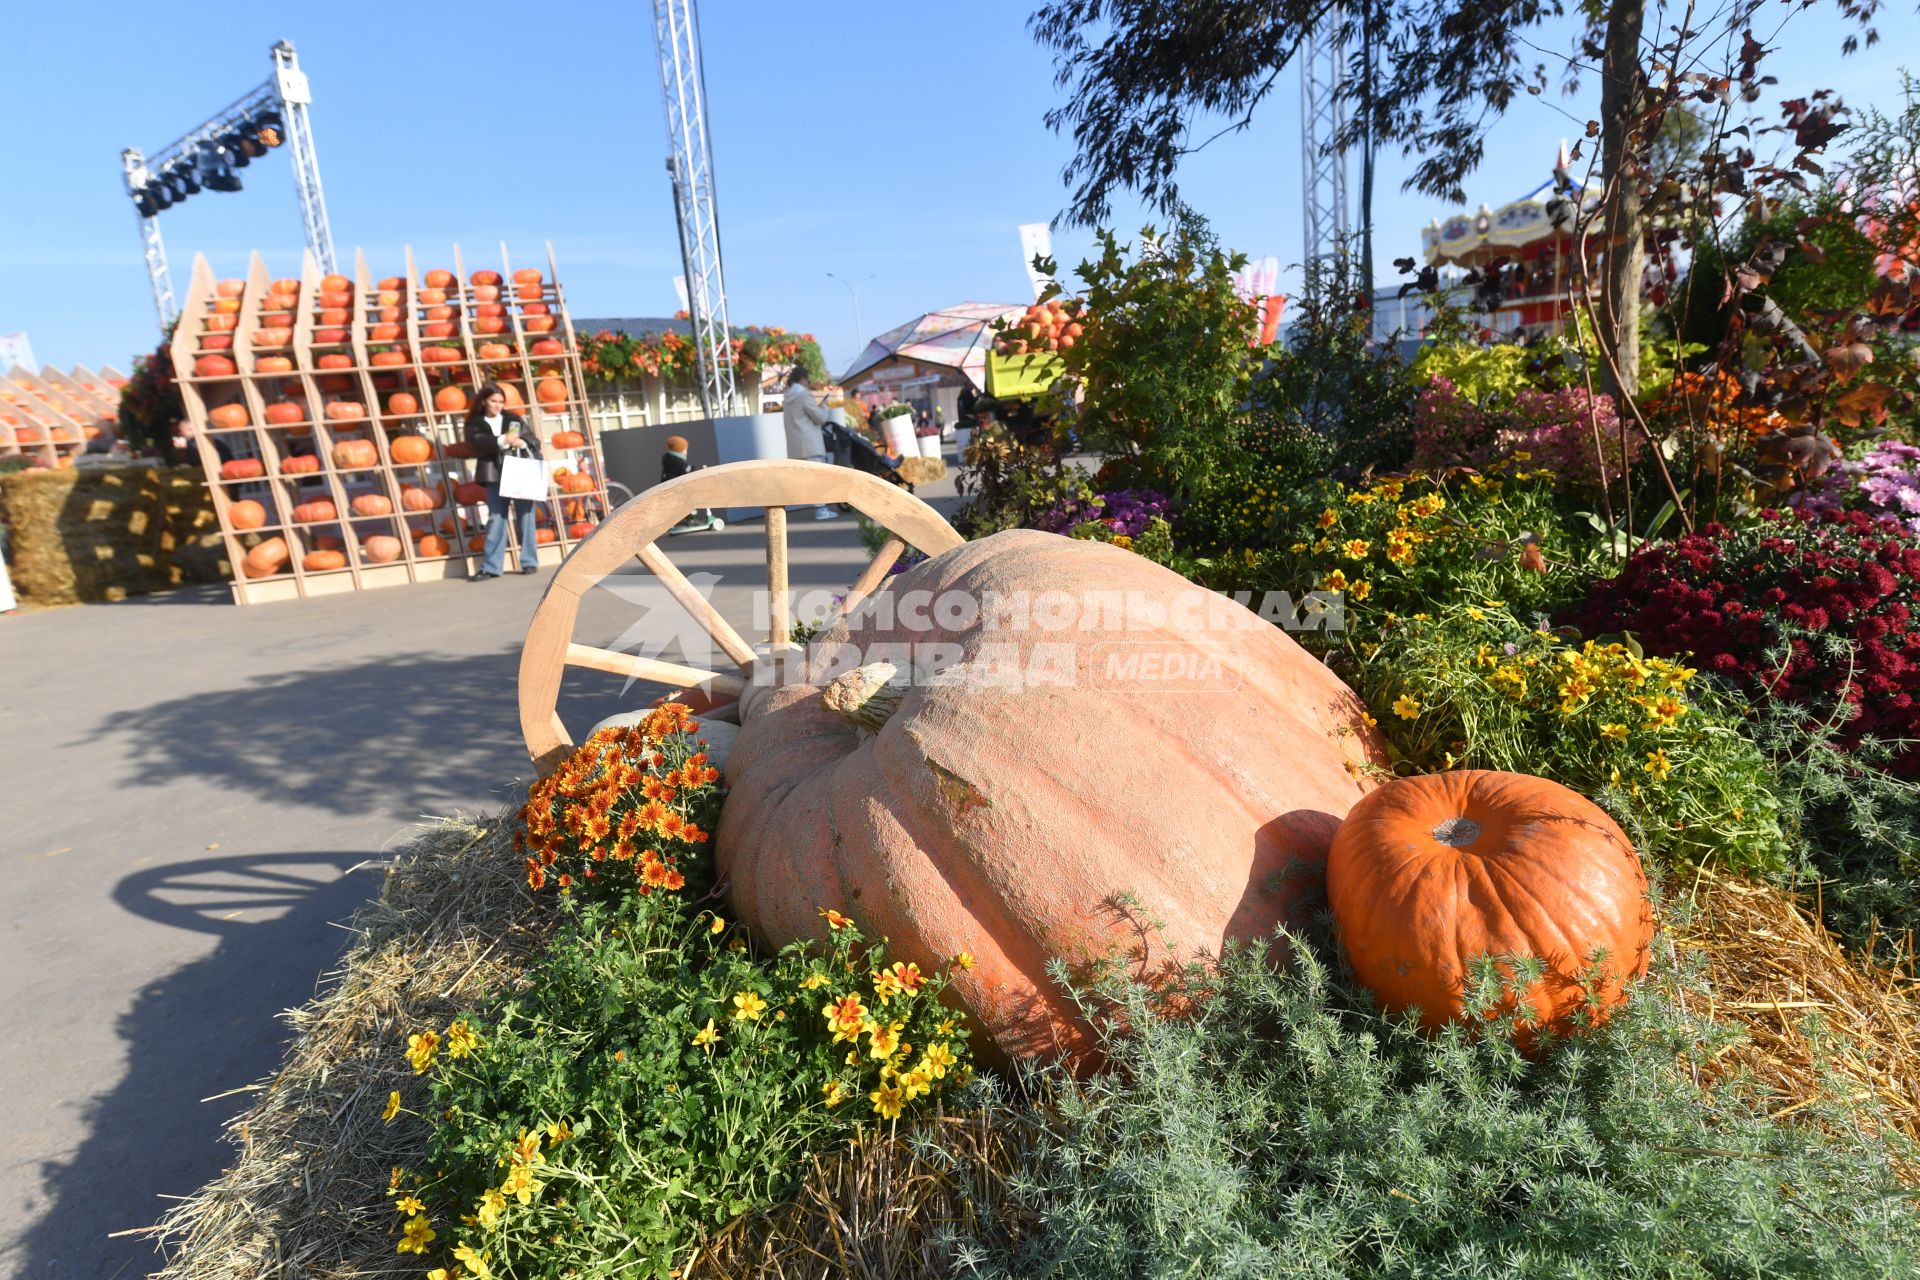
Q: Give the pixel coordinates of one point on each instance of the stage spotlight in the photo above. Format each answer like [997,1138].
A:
[225,180]
[234,154]
[144,203]
[269,136]
[158,192]
[270,128]
[187,177]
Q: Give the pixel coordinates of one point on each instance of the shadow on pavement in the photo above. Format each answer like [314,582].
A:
[400,734]
[204,1029]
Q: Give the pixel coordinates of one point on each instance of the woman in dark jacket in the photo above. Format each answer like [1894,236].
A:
[493,432]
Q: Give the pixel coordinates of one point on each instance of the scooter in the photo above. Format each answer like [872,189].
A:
[699,521]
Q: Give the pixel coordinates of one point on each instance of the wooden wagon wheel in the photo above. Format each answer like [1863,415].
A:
[634,531]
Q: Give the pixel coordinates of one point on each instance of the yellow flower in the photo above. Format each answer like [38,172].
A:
[749,1005]
[914,1083]
[886,1040]
[492,1205]
[441,1273]
[409,1204]
[416,1236]
[1361,589]
[525,1149]
[813,981]
[1356,548]
[885,985]
[964,960]
[887,1101]
[1335,581]
[835,1092]
[421,1050]
[461,1040]
[520,1184]
[1613,731]
[1664,711]
[1406,706]
[1358,499]
[938,1058]
[705,1037]
[1478,615]
[1328,518]
[719,925]
[1298,548]
[560,1130]
[846,1017]
[393,1107]
[1122,541]
[834,919]
[1658,765]
[476,1262]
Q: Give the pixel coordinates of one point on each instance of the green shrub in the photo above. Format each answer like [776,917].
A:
[1473,686]
[1287,1130]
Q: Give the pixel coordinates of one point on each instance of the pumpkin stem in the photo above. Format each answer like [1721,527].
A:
[1457,832]
[867,695]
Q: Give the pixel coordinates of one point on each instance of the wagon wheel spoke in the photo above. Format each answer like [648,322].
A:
[652,669]
[730,641]
[870,578]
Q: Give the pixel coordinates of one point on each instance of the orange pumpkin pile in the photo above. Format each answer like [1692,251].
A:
[1044,326]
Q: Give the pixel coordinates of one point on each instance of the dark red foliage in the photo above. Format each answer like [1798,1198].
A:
[1729,597]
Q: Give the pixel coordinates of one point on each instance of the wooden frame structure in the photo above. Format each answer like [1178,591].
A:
[355,358]
[51,417]
[635,530]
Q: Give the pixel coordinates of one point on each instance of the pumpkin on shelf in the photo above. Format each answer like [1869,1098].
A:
[550,391]
[246,514]
[217,342]
[335,301]
[536,309]
[470,494]
[381,548]
[346,411]
[545,535]
[274,364]
[222,323]
[576,484]
[402,404]
[459,449]
[1427,873]
[215,367]
[335,315]
[276,319]
[384,332]
[266,559]
[442,312]
[537,324]
[409,450]
[299,464]
[579,529]
[390,282]
[387,359]
[372,504]
[439,355]
[484,277]
[327,542]
[355,455]
[450,399]
[430,545]
[490,309]
[478,542]
[568,440]
[547,347]
[243,469]
[284,413]
[511,394]
[316,511]
[322,561]
[284,288]
[526,275]
[226,306]
[495,351]
[415,498]
[438,278]
[437,329]
[272,339]
[335,360]
[334,384]
[329,337]
[335,281]
[916,810]
[230,288]
[527,292]
[486,293]
[432,296]
[230,417]
[489,324]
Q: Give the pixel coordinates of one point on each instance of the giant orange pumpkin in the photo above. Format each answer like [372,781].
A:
[246,514]
[372,504]
[409,450]
[450,400]
[1005,816]
[316,511]
[352,455]
[229,417]
[268,558]
[323,561]
[1429,872]
[382,548]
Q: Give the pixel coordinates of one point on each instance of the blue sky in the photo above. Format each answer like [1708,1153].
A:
[901,142]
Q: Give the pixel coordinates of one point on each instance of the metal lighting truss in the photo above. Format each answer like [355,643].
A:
[288,93]
[1323,59]
[683,86]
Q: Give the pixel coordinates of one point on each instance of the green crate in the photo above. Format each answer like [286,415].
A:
[1017,377]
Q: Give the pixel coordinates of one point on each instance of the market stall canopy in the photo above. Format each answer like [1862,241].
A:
[958,337]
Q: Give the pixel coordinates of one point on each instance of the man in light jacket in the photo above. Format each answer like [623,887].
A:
[804,420]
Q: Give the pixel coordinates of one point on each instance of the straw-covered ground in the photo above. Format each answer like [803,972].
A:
[307,1196]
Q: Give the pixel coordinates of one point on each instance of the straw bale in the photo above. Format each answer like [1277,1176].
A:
[307,1195]
[922,470]
[87,534]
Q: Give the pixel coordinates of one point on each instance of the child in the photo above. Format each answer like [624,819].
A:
[673,463]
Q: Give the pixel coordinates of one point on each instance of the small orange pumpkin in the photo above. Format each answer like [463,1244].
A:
[495,351]
[486,293]
[335,300]
[222,323]
[391,282]
[346,411]
[550,391]
[355,455]
[439,355]
[415,498]
[490,308]
[470,494]
[547,347]
[431,544]
[438,313]
[437,329]
[246,514]
[526,275]
[409,450]
[537,324]
[315,511]
[401,404]
[230,417]
[337,360]
[322,561]
[1429,872]
[387,359]
[335,315]
[274,364]
[432,297]
[295,464]
[489,324]
[484,277]
[568,440]
[381,548]
[329,337]
[438,278]
[333,282]
[230,288]
[217,342]
[284,288]
[284,413]
[450,399]
[276,320]
[242,469]
[226,306]
[536,309]
[527,292]
[383,333]
[372,504]
[266,559]
[579,529]
[544,536]
[478,542]
[272,339]
[214,367]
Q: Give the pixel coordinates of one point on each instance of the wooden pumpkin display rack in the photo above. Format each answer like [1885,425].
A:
[331,422]
[50,416]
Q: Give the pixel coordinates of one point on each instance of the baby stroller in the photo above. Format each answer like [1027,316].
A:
[851,449]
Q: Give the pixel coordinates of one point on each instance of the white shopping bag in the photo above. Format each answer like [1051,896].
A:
[523,476]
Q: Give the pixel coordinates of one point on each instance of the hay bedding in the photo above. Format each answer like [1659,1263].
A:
[307,1196]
